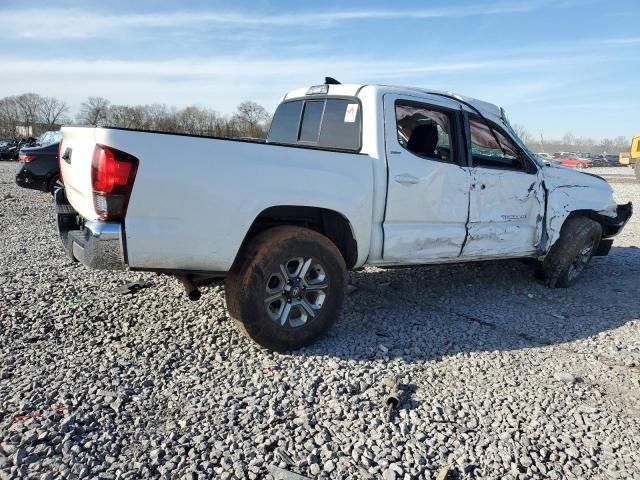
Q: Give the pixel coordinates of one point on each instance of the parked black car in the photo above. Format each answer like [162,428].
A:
[38,167]
[8,149]
[602,160]
[11,150]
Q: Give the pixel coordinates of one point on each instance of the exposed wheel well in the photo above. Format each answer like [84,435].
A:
[330,223]
[595,216]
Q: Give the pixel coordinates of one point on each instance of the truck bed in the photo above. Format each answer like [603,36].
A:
[195,198]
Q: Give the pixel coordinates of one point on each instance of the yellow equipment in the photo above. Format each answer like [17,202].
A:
[634,155]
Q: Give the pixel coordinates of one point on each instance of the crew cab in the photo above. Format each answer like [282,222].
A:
[350,175]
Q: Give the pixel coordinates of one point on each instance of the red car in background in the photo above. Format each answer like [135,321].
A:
[574,161]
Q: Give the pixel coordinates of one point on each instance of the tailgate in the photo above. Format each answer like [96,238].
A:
[75,166]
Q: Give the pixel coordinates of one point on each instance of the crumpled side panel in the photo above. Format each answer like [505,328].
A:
[569,198]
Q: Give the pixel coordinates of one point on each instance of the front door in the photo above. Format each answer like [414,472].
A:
[507,201]
[428,188]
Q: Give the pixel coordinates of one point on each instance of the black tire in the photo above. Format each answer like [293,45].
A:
[569,256]
[636,168]
[256,275]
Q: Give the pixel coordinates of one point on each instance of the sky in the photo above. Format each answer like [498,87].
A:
[556,66]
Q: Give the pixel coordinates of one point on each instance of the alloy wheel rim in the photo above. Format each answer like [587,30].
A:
[296,292]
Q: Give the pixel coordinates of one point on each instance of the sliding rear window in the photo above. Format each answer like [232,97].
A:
[331,123]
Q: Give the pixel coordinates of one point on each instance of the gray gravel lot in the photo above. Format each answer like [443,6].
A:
[503,378]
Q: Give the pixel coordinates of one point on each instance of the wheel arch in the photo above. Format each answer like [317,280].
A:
[593,215]
[330,223]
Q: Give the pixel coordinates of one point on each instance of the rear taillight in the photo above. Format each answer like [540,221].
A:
[112,175]
[23,157]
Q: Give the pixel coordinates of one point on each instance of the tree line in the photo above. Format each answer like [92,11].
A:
[31,114]
[570,143]
[249,120]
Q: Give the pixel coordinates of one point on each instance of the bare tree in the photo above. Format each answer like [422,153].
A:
[53,111]
[607,145]
[569,138]
[253,117]
[190,120]
[95,111]
[622,143]
[29,106]
[162,118]
[9,117]
[127,116]
[522,133]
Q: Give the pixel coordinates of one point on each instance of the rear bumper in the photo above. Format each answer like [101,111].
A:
[26,179]
[93,243]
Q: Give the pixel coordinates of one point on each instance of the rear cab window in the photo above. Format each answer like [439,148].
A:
[325,123]
[425,131]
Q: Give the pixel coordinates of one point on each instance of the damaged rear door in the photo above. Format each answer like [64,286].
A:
[428,189]
[506,202]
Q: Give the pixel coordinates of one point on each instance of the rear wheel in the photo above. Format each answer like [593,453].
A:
[636,167]
[287,288]
[570,255]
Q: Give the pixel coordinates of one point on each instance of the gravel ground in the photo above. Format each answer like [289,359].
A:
[621,170]
[620,174]
[502,377]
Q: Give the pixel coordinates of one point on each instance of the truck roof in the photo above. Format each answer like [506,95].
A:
[352,90]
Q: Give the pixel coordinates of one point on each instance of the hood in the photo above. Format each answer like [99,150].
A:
[557,176]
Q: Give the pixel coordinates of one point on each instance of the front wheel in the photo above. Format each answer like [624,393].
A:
[570,255]
[636,168]
[287,288]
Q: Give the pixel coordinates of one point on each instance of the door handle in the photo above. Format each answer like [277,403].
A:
[406,179]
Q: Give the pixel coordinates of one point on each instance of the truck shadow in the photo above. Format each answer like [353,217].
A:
[429,312]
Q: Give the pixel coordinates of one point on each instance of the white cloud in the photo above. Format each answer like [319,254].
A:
[222,82]
[77,23]
[260,67]
[622,41]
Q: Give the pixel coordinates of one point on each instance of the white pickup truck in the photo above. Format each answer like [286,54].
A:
[350,175]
